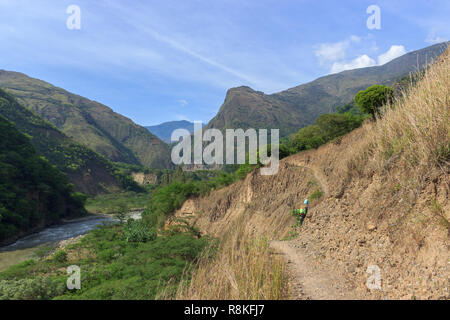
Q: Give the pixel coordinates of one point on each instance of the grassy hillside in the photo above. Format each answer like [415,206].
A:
[300,106]
[378,196]
[88,122]
[33,193]
[90,172]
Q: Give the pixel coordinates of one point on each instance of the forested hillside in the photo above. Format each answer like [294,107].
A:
[33,193]
[90,172]
[88,122]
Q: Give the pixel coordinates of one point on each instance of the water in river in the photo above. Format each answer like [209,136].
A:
[23,248]
[57,233]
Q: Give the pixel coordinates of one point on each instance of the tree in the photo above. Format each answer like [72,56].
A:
[373,98]
[335,125]
[121,213]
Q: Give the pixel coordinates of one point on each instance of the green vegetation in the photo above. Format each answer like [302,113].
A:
[90,172]
[138,231]
[113,203]
[44,250]
[60,256]
[292,234]
[316,195]
[373,98]
[295,108]
[111,267]
[169,198]
[38,288]
[133,260]
[88,123]
[32,191]
[327,128]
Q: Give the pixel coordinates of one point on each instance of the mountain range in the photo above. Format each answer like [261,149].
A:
[84,138]
[89,123]
[90,172]
[164,130]
[297,107]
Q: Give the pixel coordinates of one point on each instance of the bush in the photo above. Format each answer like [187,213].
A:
[327,128]
[138,231]
[373,98]
[30,289]
[60,256]
[316,195]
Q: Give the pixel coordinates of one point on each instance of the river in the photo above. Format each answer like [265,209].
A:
[24,248]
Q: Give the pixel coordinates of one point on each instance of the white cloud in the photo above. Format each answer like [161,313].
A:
[331,51]
[355,38]
[360,62]
[364,60]
[182,102]
[391,54]
[327,52]
[432,38]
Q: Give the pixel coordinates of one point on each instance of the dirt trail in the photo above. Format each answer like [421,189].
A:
[304,161]
[308,278]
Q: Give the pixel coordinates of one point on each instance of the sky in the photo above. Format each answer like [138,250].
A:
[157,61]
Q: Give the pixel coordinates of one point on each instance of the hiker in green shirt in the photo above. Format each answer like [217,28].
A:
[301,213]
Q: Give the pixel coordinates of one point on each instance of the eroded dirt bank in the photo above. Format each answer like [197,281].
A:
[363,219]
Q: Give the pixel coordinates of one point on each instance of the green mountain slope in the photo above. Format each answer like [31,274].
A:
[88,122]
[297,107]
[90,172]
[33,193]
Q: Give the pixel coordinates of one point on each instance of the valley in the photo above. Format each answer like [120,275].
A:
[82,185]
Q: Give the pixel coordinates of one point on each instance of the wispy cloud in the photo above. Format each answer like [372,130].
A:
[391,54]
[182,102]
[225,66]
[360,62]
[434,37]
[335,54]
[141,57]
[327,52]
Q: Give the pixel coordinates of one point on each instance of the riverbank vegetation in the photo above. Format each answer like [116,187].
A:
[112,267]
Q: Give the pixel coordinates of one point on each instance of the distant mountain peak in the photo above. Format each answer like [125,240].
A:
[294,108]
[164,130]
[88,122]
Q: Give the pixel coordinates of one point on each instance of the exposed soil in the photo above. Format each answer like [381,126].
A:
[360,221]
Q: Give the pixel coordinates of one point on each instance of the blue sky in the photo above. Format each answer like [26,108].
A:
[156,61]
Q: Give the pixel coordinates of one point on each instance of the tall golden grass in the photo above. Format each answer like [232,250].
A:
[244,267]
[412,132]
[415,128]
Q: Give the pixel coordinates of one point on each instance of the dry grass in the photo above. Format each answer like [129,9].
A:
[412,137]
[243,268]
[412,133]
[415,129]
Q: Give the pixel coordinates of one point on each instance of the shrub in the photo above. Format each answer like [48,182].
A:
[60,256]
[316,195]
[373,98]
[138,231]
[30,289]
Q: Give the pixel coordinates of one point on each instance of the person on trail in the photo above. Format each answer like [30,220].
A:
[301,213]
